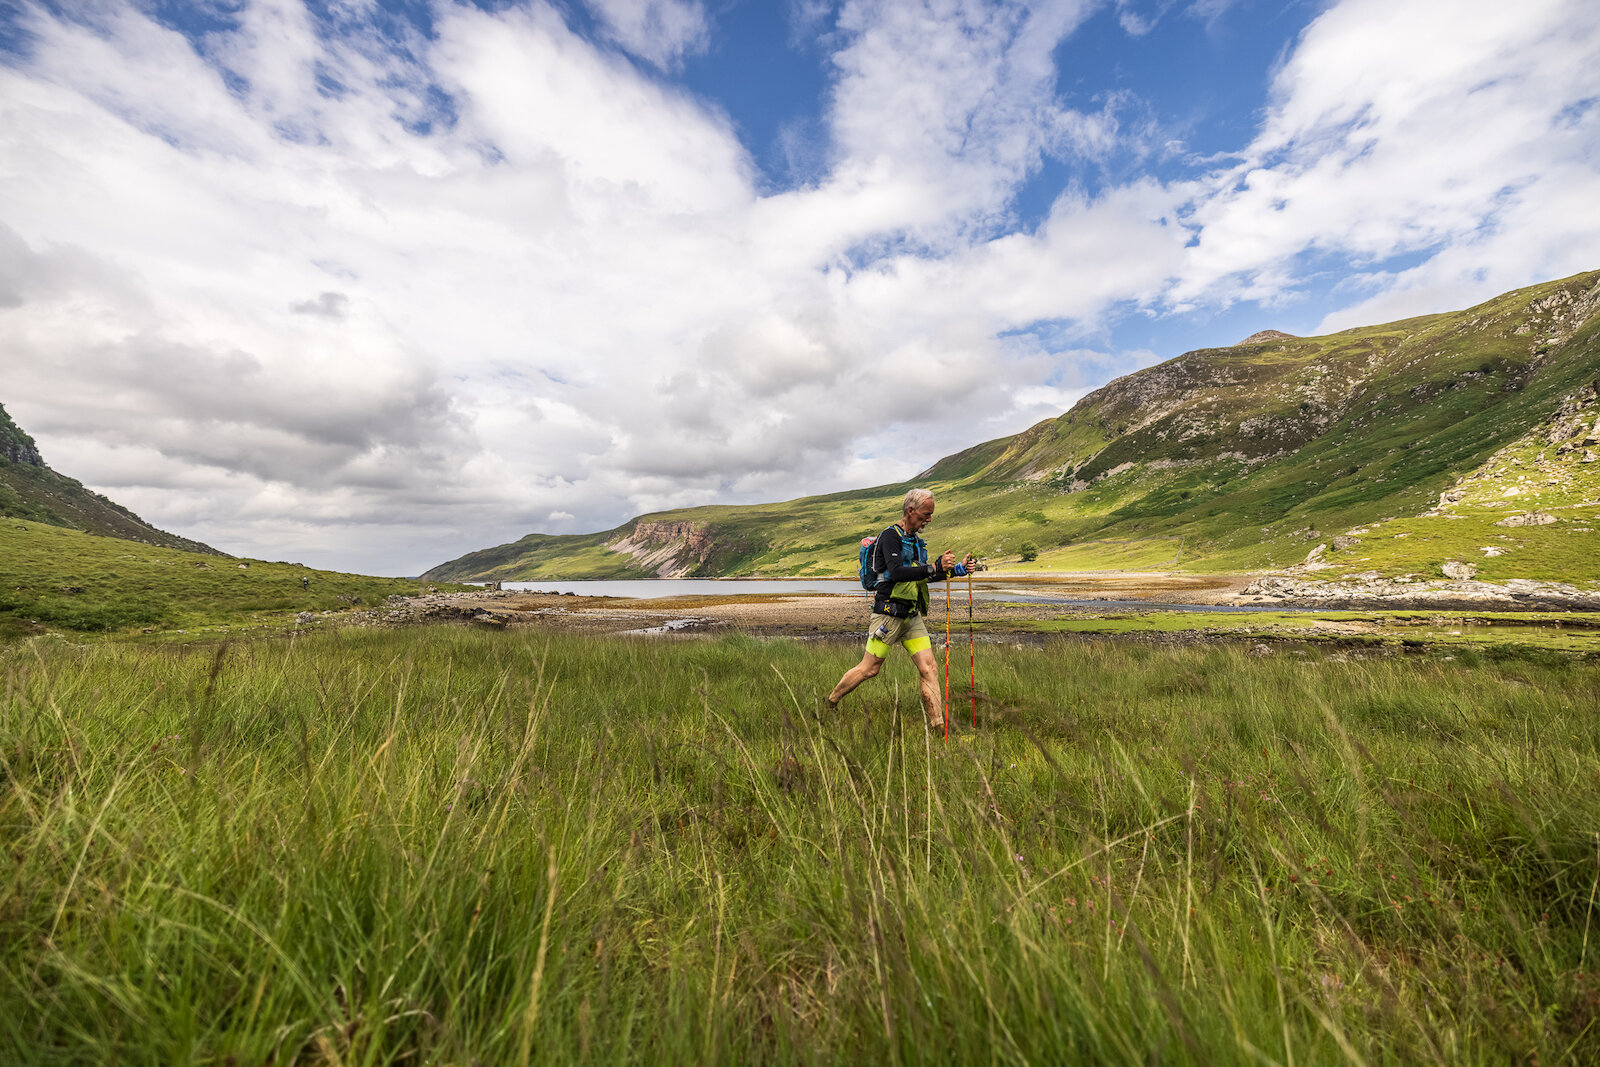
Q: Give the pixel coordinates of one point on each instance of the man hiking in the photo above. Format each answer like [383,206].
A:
[900,602]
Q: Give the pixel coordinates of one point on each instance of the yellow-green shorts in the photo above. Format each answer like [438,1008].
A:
[911,633]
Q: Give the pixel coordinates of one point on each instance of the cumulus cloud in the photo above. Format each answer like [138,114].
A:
[941,109]
[661,32]
[306,290]
[328,305]
[1410,129]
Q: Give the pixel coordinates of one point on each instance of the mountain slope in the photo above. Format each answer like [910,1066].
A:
[1236,458]
[53,578]
[1530,510]
[30,490]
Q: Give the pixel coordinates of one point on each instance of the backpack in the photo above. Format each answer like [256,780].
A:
[869,564]
[871,574]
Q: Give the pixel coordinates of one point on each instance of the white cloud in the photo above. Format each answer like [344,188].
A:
[570,301]
[1414,129]
[273,293]
[1209,11]
[544,97]
[660,32]
[944,107]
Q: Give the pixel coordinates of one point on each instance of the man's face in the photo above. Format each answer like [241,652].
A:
[919,516]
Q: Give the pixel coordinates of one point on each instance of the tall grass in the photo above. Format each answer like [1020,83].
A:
[448,846]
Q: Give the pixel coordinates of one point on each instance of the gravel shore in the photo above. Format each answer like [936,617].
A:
[810,615]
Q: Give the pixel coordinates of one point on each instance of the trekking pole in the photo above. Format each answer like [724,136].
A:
[972,655]
[947,642]
[946,710]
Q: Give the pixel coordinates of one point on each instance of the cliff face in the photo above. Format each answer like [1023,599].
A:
[30,490]
[16,446]
[670,549]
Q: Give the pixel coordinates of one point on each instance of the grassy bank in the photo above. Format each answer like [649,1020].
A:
[449,846]
[55,577]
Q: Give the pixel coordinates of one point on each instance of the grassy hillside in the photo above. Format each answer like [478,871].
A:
[1529,511]
[53,578]
[584,556]
[1228,459]
[30,490]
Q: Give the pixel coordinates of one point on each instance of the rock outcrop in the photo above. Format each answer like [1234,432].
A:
[1531,518]
[671,549]
[1266,337]
[478,607]
[1366,591]
[15,445]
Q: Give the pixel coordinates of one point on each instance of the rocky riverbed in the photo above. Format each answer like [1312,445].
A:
[783,615]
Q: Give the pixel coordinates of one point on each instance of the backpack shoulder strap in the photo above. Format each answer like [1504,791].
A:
[879,563]
[913,546]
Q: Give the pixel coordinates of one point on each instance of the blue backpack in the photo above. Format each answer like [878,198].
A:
[869,564]
[871,574]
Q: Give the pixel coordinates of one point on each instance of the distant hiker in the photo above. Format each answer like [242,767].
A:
[305,583]
[900,601]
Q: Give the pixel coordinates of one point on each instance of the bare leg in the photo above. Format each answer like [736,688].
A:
[932,705]
[867,668]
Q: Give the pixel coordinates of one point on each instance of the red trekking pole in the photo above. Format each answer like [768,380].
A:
[972,655]
[947,659]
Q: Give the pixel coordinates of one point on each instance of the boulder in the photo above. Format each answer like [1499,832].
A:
[1454,569]
[1529,518]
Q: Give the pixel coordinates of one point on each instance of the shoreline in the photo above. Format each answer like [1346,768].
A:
[841,618]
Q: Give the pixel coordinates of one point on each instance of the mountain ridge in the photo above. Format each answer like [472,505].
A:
[1240,454]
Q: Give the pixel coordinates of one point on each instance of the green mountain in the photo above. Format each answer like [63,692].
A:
[30,490]
[1224,459]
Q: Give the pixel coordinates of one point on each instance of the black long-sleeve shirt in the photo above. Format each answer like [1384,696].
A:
[896,569]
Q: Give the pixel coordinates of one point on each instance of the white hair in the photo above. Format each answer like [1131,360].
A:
[914,499]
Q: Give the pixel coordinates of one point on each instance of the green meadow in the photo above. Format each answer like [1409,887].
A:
[449,846]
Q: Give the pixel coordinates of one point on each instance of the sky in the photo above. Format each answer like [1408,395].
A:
[369,284]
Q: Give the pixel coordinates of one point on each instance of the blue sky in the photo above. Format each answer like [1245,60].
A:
[371,283]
